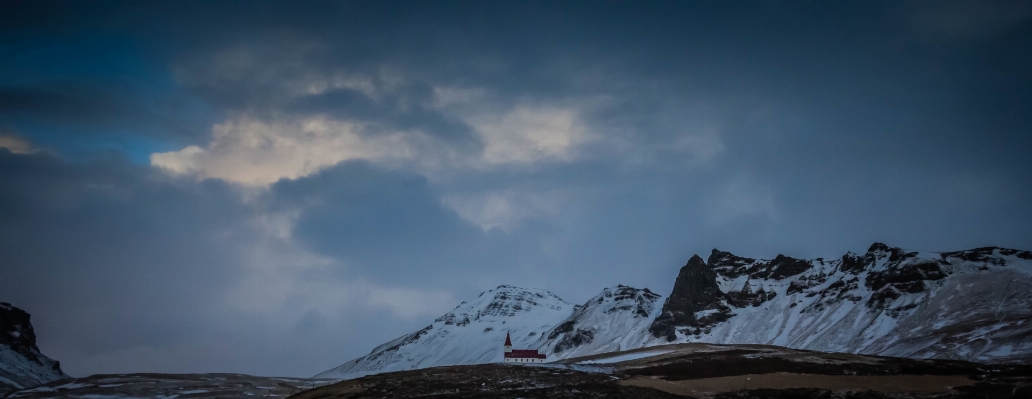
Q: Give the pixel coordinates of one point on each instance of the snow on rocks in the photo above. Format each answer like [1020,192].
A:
[969,305]
[21,363]
[472,333]
[957,305]
[614,320]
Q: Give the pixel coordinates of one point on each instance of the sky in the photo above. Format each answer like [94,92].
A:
[275,188]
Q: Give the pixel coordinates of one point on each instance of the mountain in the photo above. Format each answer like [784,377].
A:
[967,305]
[614,320]
[21,363]
[472,333]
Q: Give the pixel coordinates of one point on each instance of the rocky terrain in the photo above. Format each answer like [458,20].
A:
[497,380]
[167,386]
[967,305]
[699,371]
[21,363]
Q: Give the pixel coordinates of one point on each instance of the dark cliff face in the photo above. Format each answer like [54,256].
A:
[694,290]
[17,336]
[16,331]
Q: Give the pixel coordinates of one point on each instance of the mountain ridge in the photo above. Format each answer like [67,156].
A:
[888,301]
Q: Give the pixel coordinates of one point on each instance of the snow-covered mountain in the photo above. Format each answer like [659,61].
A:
[21,363]
[472,333]
[615,320]
[969,305]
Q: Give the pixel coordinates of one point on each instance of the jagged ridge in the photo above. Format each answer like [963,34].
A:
[969,305]
[965,305]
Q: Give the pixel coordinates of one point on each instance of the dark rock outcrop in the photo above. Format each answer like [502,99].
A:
[695,290]
[16,331]
[748,297]
[577,338]
[783,266]
[23,365]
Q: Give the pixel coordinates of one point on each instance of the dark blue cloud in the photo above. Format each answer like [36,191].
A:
[761,128]
[108,255]
[390,226]
[127,269]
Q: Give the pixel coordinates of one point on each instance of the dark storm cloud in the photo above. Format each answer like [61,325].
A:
[404,109]
[807,129]
[101,109]
[110,255]
[123,266]
[385,224]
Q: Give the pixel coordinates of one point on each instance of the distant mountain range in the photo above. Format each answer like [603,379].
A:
[969,305]
[21,363]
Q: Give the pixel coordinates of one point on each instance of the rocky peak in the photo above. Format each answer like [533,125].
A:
[784,266]
[623,298]
[695,290]
[720,258]
[16,331]
[993,255]
[877,247]
[504,301]
[729,265]
[22,364]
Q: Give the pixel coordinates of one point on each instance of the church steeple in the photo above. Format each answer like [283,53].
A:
[508,343]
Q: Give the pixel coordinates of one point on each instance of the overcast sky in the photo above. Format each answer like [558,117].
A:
[274,188]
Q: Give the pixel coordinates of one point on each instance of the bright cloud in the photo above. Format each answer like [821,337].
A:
[15,144]
[255,152]
[528,134]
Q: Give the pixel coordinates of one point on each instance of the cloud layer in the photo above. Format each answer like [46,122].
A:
[276,188]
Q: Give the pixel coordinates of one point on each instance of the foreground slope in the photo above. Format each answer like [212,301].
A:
[700,371]
[167,386]
[471,333]
[502,380]
[21,363]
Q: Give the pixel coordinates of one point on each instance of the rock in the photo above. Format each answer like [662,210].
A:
[21,363]
[695,290]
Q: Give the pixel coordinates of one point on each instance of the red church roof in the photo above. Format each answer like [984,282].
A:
[528,353]
[522,353]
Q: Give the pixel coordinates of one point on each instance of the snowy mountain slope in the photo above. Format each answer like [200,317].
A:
[614,320]
[472,333]
[968,305]
[21,363]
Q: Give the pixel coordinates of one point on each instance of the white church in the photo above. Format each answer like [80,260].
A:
[521,355]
